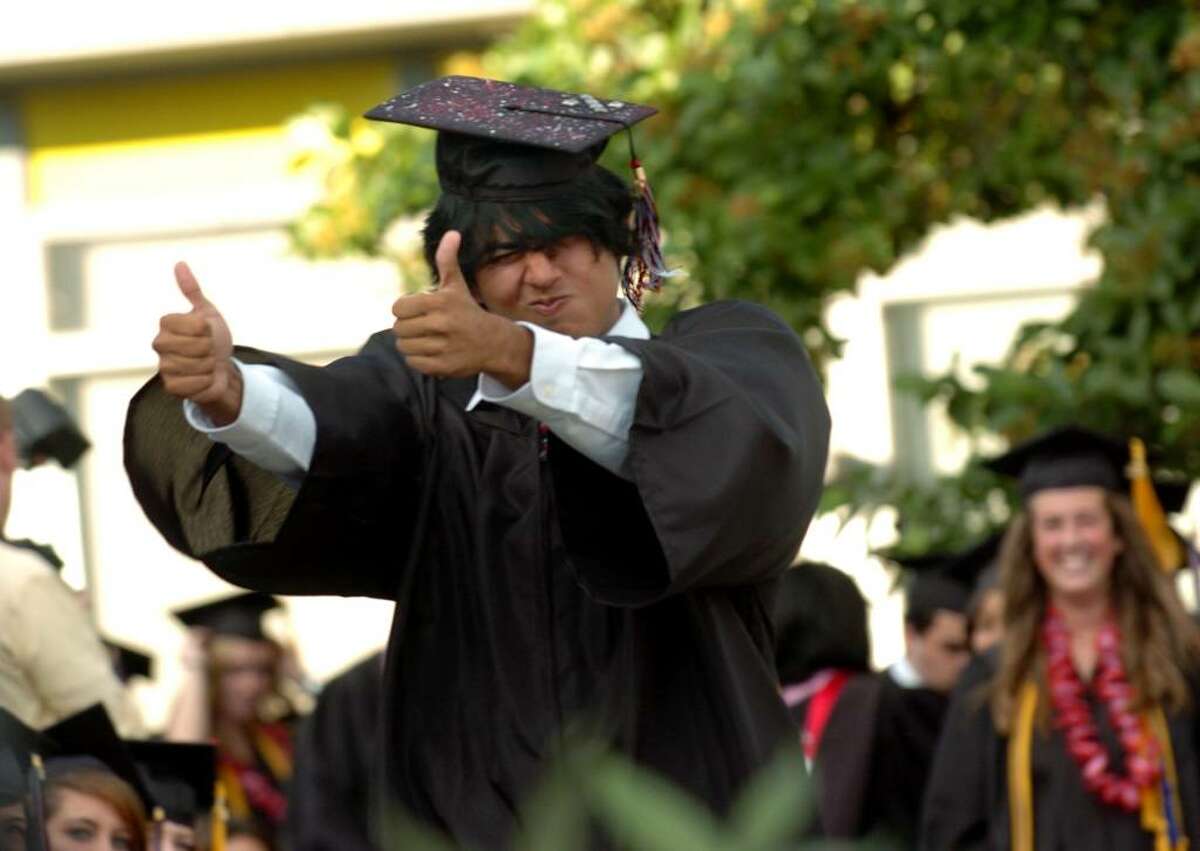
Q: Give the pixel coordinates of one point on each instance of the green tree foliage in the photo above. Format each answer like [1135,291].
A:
[803,142]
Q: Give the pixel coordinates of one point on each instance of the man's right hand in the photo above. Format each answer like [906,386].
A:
[195,354]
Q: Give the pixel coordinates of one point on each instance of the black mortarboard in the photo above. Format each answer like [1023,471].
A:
[181,777]
[89,739]
[937,580]
[1069,456]
[17,744]
[820,620]
[44,428]
[128,662]
[239,615]
[1073,456]
[965,566]
[500,141]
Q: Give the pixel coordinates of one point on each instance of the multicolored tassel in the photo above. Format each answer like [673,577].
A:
[644,268]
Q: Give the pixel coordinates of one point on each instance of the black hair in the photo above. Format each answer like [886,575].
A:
[820,622]
[596,208]
[928,595]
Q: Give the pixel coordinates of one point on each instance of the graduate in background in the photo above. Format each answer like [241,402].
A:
[232,697]
[52,663]
[337,764]
[1080,731]
[182,779]
[87,791]
[936,647]
[822,653]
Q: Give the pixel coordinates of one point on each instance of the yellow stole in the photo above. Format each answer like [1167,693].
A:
[1020,779]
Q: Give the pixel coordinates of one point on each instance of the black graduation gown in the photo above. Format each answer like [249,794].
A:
[966,805]
[534,586]
[873,760]
[336,751]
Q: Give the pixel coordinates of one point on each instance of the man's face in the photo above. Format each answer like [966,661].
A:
[940,653]
[569,287]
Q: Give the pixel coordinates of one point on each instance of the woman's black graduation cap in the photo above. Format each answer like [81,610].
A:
[239,615]
[1069,456]
[181,776]
[88,738]
[1073,456]
[43,428]
[500,141]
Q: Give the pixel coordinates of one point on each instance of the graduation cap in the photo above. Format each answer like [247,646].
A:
[89,740]
[181,777]
[1073,456]
[499,141]
[17,744]
[43,428]
[128,662]
[239,615]
[938,579]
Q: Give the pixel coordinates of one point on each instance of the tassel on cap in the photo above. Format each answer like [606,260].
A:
[1150,511]
[219,839]
[645,267]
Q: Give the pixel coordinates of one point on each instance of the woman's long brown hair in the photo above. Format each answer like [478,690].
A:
[1160,645]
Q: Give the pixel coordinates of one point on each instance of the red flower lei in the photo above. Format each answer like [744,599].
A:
[1073,716]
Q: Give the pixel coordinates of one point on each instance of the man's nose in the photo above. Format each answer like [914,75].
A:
[540,270]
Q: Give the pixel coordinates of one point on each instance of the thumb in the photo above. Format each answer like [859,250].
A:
[450,276]
[190,287]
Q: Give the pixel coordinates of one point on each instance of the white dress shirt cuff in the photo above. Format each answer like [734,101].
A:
[552,378]
[271,430]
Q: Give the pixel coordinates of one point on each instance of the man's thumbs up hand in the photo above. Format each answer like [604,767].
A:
[448,334]
[195,354]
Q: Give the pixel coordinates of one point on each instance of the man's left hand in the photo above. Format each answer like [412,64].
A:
[448,334]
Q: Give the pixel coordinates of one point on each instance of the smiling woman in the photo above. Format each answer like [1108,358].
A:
[1097,644]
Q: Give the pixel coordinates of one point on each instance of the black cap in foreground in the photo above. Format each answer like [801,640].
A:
[44,429]
[181,777]
[89,740]
[499,141]
[128,662]
[239,615]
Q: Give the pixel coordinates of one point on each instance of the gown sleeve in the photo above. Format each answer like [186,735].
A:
[958,802]
[727,456]
[344,529]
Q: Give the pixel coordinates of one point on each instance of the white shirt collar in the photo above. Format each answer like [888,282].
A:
[905,675]
[629,324]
